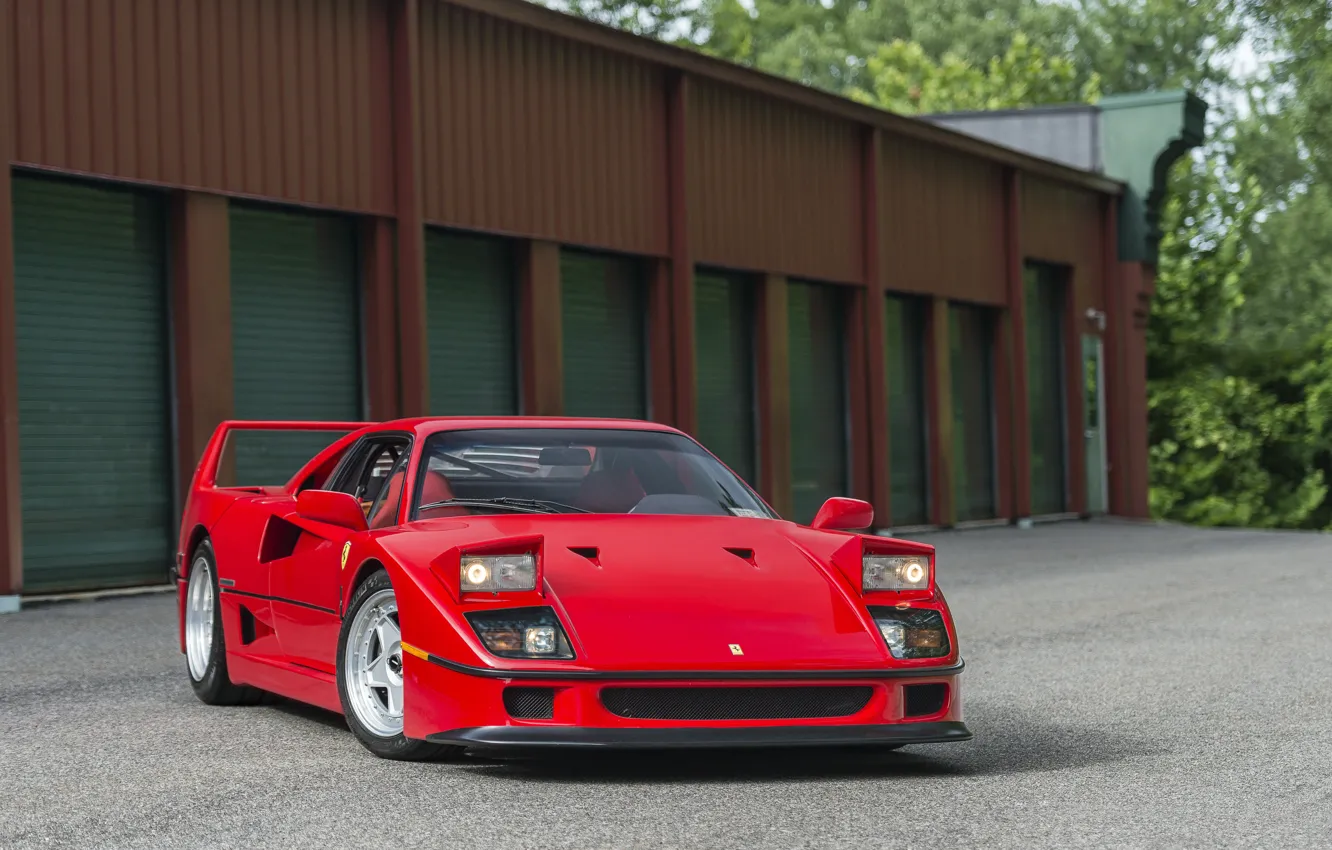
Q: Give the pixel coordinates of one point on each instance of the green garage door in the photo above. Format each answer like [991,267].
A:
[295,334]
[1045,387]
[94,410]
[970,334]
[724,368]
[605,336]
[471,317]
[819,458]
[904,337]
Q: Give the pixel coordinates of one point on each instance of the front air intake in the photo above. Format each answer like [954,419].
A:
[745,703]
[924,700]
[530,703]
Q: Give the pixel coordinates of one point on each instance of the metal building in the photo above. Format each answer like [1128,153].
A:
[371,208]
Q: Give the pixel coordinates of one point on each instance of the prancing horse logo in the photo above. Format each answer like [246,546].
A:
[736,650]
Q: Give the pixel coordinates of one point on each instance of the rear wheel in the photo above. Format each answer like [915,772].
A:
[205,644]
[370,674]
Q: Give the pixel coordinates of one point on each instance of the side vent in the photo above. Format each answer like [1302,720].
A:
[280,538]
[247,626]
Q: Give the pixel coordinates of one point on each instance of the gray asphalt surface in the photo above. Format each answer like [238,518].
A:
[1129,686]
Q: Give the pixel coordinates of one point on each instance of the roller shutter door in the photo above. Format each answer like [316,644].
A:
[1045,387]
[94,404]
[471,318]
[724,367]
[904,335]
[295,334]
[603,302]
[970,332]
[819,457]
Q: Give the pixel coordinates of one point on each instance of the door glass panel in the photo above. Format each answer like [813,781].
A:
[1045,288]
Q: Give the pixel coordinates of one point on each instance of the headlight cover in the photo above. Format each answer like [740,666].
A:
[912,632]
[895,572]
[522,633]
[497,573]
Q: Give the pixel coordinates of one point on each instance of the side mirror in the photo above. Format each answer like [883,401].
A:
[334,508]
[842,514]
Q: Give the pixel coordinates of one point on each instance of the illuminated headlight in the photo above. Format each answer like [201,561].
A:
[912,632]
[521,633]
[896,572]
[498,573]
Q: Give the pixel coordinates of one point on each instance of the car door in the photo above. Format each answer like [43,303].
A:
[307,587]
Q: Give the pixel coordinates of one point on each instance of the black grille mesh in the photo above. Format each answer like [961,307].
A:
[922,700]
[530,703]
[774,703]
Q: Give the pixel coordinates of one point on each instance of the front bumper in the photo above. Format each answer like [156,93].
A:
[451,703]
[605,738]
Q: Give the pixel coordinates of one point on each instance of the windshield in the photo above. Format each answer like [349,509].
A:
[603,471]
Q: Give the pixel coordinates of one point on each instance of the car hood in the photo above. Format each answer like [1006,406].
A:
[699,593]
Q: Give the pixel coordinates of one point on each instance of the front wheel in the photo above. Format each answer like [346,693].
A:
[205,644]
[370,674]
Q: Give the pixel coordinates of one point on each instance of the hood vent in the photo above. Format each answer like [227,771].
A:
[743,554]
[589,552]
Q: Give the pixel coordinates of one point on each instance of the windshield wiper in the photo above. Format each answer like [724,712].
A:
[523,506]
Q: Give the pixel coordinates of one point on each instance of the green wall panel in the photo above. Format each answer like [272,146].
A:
[1045,287]
[819,450]
[971,339]
[724,369]
[904,338]
[93,365]
[472,324]
[603,305]
[295,334]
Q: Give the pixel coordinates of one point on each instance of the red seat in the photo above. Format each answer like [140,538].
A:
[435,488]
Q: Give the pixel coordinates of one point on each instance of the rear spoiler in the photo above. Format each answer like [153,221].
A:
[205,474]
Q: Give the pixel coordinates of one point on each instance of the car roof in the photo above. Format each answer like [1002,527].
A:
[426,425]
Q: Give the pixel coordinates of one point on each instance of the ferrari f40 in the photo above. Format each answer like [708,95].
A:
[527,583]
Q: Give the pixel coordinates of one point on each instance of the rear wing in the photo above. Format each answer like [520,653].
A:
[205,474]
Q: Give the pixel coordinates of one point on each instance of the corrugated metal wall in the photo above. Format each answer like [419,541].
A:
[1062,224]
[274,99]
[532,135]
[941,219]
[771,186]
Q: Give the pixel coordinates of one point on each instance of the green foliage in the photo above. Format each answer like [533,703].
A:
[905,79]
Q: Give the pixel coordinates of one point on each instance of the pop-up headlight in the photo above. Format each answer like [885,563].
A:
[912,632]
[895,572]
[498,573]
[521,633]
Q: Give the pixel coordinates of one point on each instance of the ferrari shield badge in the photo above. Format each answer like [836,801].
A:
[736,650]
[346,550]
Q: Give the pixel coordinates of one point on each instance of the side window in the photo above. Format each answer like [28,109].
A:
[368,471]
[384,512]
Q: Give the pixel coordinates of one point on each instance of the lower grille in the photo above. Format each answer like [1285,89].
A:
[923,700]
[774,703]
[530,703]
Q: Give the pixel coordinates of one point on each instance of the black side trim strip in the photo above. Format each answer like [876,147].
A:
[691,675]
[279,599]
[605,738]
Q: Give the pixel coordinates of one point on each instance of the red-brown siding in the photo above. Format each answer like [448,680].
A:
[941,216]
[252,97]
[1062,224]
[772,186]
[533,135]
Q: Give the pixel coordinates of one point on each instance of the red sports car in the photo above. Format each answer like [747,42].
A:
[526,582]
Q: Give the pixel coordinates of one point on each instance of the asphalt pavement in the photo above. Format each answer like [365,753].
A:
[1129,686]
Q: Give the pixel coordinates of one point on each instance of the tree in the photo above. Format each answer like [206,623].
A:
[903,78]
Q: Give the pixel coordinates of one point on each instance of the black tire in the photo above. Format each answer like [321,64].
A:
[397,747]
[216,687]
